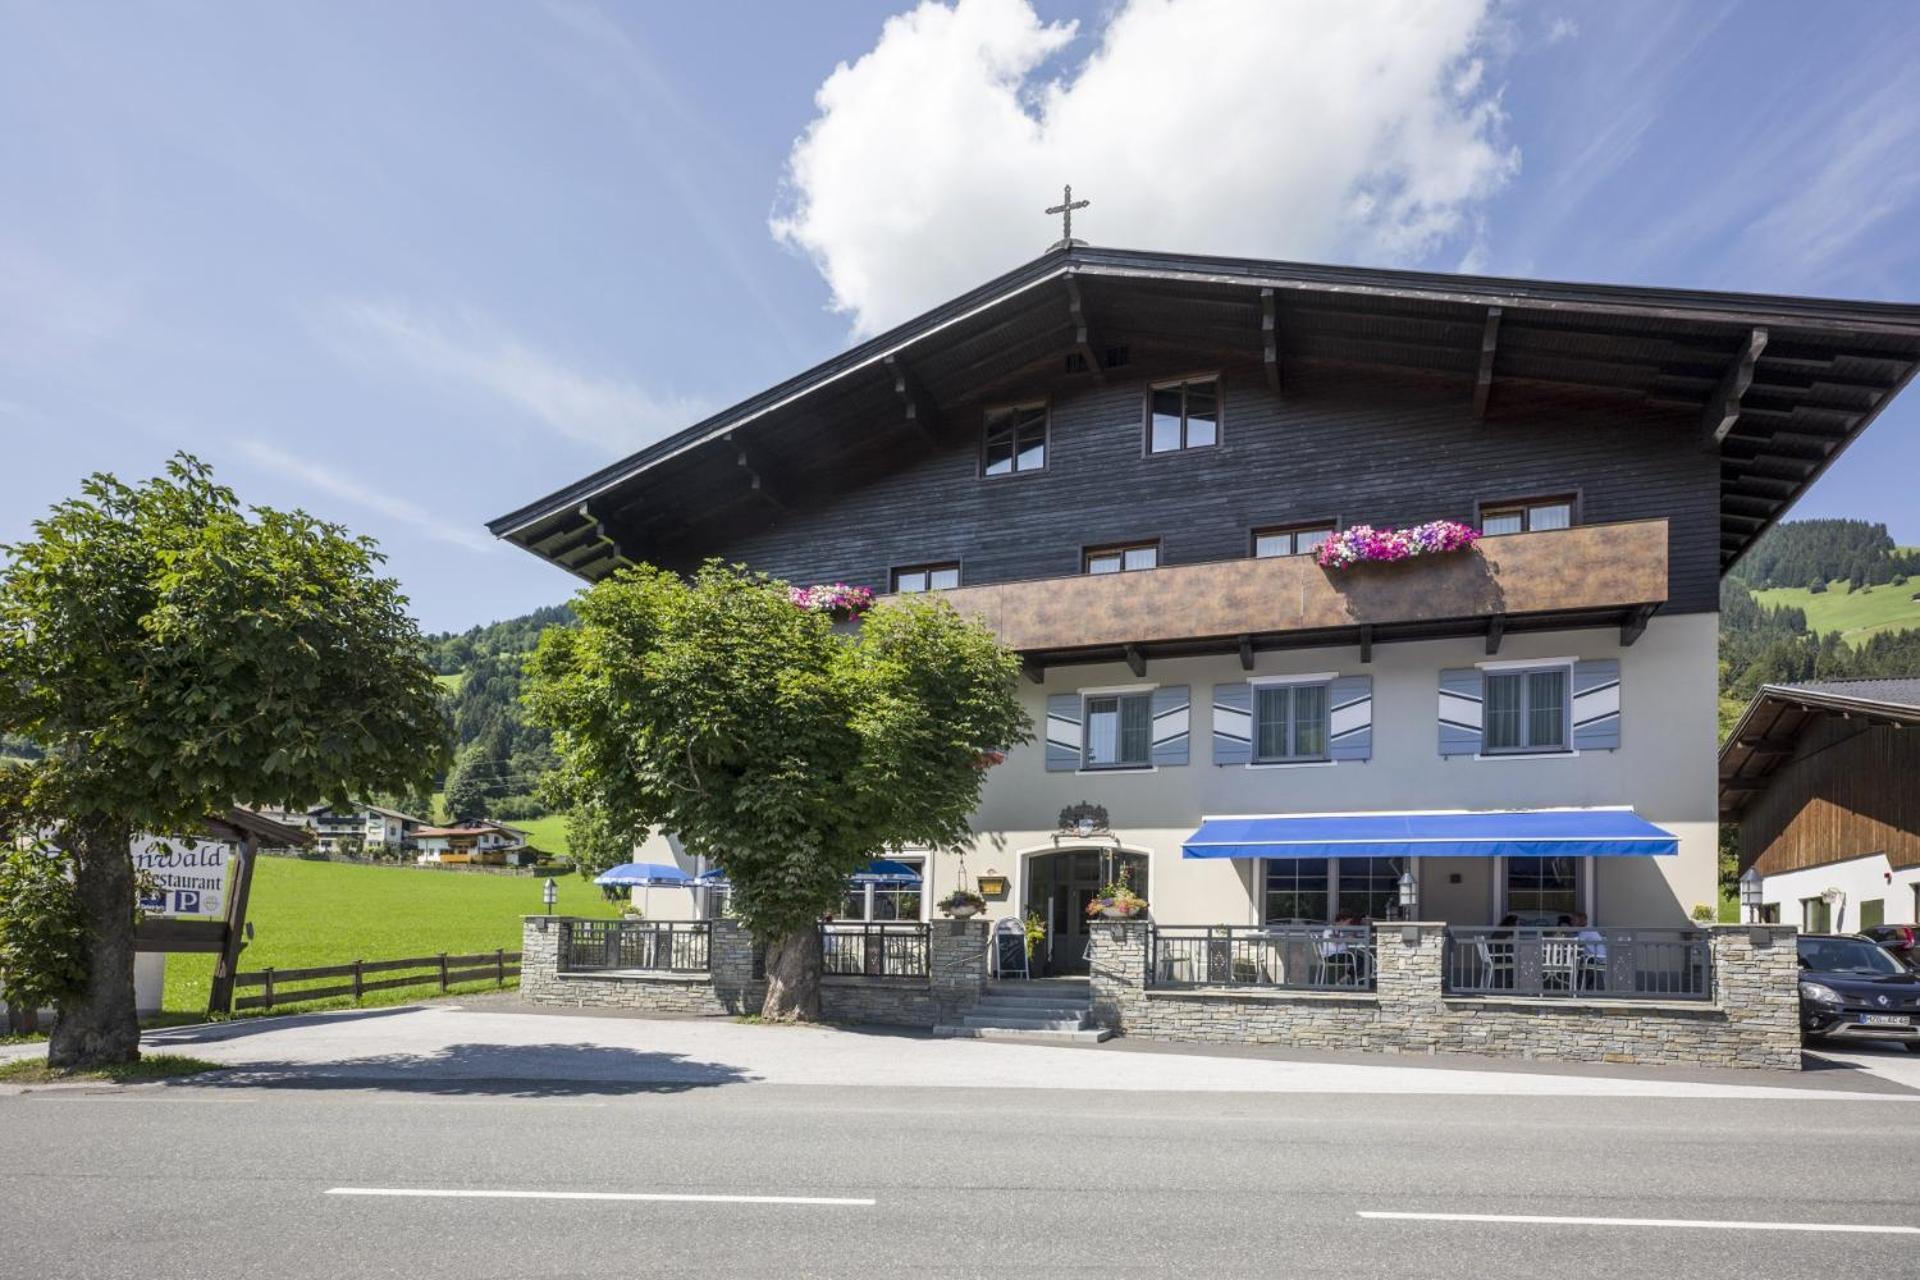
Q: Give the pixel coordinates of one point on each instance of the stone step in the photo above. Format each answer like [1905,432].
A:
[1012,1035]
[1041,995]
[1023,1024]
[998,1009]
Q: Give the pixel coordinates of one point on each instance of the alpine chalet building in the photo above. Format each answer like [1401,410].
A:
[1126,463]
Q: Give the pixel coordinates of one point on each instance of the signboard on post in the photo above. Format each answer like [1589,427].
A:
[186,881]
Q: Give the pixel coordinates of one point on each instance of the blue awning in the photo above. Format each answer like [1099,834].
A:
[1508,833]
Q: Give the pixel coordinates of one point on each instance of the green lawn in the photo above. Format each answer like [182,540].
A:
[308,914]
[548,834]
[1855,615]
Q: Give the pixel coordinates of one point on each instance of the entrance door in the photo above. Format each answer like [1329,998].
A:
[1059,888]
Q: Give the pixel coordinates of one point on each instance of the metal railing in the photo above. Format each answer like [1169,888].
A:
[874,948]
[1580,963]
[656,946]
[1285,957]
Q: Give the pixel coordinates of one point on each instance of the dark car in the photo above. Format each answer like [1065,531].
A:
[1902,940]
[1852,989]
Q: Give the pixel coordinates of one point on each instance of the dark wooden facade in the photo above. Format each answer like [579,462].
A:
[1348,396]
[1849,789]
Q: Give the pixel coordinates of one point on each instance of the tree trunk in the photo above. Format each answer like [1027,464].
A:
[98,1027]
[793,978]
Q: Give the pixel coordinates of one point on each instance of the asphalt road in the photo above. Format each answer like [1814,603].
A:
[210,1180]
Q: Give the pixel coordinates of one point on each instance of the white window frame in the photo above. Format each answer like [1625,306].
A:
[1525,667]
[1119,693]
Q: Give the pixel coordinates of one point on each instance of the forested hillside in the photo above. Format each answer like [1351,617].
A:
[500,758]
[1824,576]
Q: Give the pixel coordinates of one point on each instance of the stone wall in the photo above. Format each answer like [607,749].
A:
[957,963]
[1751,1021]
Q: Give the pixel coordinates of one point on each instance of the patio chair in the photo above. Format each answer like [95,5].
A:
[1560,964]
[1496,965]
[1333,961]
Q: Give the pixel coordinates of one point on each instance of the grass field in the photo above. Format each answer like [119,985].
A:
[1855,615]
[307,914]
[548,834]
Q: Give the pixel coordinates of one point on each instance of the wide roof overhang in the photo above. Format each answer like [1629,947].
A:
[1778,385]
[1769,730]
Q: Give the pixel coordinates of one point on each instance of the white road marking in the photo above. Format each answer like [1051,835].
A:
[1707,1224]
[451,1193]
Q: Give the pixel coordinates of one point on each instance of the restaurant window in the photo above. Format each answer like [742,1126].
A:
[1290,722]
[883,901]
[1541,890]
[1816,915]
[1016,440]
[1527,517]
[1119,731]
[926,577]
[1526,710]
[1369,889]
[1183,415]
[1296,890]
[1297,541]
[1124,559]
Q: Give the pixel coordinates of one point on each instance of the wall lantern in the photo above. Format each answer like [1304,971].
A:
[549,893]
[1750,889]
[1409,892]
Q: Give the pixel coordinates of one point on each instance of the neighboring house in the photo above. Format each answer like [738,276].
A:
[492,843]
[1124,463]
[362,828]
[1822,779]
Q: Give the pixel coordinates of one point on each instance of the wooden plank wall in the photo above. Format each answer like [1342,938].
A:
[1357,447]
[1849,790]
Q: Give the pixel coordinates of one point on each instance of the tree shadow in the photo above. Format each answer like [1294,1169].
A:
[487,1070]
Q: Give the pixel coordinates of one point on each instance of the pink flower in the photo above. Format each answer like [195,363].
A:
[1365,543]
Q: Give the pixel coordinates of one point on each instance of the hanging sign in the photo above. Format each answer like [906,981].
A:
[184,882]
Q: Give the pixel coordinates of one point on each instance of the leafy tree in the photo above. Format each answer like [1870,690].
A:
[597,843]
[466,791]
[782,749]
[175,653]
[42,935]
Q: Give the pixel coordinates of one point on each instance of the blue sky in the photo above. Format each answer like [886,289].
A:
[410,266]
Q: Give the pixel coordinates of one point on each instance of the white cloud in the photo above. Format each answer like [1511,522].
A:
[473,354]
[357,492]
[1325,131]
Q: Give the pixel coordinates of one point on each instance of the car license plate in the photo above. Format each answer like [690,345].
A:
[1885,1019]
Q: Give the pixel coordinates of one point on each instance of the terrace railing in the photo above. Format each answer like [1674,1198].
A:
[1576,964]
[1285,957]
[657,946]
[874,948]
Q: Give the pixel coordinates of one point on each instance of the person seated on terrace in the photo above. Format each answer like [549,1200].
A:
[1593,948]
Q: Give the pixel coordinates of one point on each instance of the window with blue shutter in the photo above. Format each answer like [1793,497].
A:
[1232,723]
[1596,705]
[1350,718]
[1460,711]
[1170,727]
[1063,732]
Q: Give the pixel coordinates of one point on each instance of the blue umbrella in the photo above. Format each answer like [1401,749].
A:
[886,871]
[712,876]
[642,875]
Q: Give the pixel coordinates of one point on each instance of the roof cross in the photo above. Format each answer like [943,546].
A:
[1065,209]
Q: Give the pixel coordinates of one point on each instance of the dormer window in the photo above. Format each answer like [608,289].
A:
[1183,415]
[1124,559]
[1016,440]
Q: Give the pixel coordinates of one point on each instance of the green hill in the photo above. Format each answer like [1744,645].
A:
[1855,615]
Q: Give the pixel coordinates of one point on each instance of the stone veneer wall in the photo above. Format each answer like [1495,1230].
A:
[1753,1019]
[957,964]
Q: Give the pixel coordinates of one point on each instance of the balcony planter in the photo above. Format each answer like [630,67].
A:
[838,601]
[1364,544]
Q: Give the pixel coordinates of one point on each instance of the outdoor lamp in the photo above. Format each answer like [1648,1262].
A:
[1409,892]
[548,893]
[1750,893]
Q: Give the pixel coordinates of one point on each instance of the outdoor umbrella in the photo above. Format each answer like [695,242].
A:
[643,876]
[886,871]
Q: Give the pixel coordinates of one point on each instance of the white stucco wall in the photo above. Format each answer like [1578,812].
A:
[1663,769]
[1858,879]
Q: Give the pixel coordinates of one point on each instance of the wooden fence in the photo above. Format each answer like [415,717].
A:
[443,969]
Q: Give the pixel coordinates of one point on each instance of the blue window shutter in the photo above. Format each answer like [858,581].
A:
[1170,716]
[1232,723]
[1596,705]
[1350,718]
[1063,732]
[1460,696]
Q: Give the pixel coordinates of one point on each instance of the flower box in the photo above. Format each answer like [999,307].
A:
[1364,544]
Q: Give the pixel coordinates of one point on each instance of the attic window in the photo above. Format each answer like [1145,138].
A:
[1016,440]
[1076,362]
[1118,356]
[1183,415]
